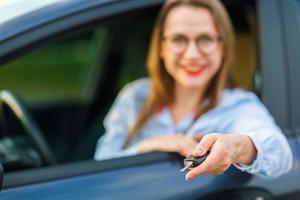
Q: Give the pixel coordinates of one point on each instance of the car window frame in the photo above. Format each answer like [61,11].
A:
[291,22]
[272,63]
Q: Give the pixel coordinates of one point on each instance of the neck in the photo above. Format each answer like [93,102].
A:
[186,101]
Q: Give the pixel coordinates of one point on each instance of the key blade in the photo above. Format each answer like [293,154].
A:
[185,168]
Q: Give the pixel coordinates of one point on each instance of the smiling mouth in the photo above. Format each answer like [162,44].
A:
[192,71]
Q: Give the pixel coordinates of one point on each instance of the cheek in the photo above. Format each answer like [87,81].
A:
[170,67]
[217,62]
[169,62]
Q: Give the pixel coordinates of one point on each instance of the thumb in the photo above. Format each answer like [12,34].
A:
[205,144]
[197,137]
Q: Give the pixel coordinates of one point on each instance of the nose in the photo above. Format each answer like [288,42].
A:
[192,51]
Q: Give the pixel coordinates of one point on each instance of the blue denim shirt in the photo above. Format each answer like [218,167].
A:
[238,112]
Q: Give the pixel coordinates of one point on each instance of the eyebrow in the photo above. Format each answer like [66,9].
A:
[181,34]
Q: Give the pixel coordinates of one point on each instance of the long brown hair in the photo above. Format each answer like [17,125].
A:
[162,84]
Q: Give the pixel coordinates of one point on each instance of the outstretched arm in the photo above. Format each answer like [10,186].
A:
[225,149]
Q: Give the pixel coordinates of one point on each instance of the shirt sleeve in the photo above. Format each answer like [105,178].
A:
[274,155]
[117,123]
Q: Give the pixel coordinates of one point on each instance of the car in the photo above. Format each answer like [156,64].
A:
[62,64]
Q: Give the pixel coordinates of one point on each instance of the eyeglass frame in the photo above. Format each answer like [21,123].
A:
[215,39]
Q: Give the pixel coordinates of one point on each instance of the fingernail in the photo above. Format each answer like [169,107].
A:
[188,177]
[197,153]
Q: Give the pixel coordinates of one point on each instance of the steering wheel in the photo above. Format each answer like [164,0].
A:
[18,109]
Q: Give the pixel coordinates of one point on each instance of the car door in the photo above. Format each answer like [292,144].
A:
[153,175]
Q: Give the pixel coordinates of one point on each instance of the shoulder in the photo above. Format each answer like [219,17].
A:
[134,93]
[138,85]
[240,100]
[139,88]
[236,96]
[129,100]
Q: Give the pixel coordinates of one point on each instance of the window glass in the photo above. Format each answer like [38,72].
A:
[57,82]
[55,73]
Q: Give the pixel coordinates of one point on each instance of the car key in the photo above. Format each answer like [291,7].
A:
[191,162]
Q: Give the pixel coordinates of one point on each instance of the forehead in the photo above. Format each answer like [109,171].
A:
[189,19]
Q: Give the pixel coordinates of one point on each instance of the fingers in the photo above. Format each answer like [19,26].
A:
[169,144]
[160,143]
[186,145]
[205,144]
[197,137]
[177,143]
[210,164]
[217,162]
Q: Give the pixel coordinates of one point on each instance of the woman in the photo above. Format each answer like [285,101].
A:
[186,105]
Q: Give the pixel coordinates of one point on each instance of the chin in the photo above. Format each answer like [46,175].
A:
[193,84]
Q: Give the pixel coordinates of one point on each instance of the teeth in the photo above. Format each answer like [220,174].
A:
[193,69]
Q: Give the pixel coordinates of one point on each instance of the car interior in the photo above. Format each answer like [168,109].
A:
[66,85]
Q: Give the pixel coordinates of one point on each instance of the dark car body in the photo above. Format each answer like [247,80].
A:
[71,124]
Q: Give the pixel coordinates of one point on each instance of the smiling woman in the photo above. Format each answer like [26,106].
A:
[188,99]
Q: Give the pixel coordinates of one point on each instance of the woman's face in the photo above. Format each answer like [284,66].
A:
[191,47]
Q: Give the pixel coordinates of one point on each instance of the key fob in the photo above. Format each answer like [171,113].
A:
[193,162]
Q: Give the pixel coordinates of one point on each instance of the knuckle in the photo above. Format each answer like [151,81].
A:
[228,161]
[208,166]
[224,153]
[203,145]
[215,134]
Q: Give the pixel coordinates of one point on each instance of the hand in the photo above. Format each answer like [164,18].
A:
[177,143]
[225,149]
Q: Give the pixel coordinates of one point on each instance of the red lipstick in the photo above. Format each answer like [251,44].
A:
[192,72]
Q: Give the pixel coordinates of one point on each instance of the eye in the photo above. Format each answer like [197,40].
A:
[178,40]
[206,39]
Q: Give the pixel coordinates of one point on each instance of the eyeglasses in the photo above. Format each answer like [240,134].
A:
[178,44]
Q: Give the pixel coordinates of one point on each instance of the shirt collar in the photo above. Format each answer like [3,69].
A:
[164,117]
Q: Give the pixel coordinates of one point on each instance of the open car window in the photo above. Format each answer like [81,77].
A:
[69,82]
